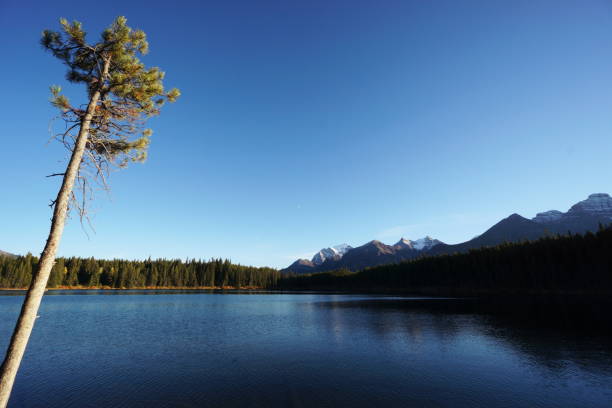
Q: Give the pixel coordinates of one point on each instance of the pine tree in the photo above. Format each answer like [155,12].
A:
[57,274]
[110,132]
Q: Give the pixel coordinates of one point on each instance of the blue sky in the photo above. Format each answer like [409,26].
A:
[308,124]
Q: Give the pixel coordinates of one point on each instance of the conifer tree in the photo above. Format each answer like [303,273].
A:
[109,132]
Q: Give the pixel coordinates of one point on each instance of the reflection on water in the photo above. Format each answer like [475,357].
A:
[303,350]
[551,332]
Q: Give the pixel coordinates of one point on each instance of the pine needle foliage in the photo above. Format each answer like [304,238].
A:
[130,93]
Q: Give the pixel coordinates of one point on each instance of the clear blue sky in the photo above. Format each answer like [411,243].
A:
[308,124]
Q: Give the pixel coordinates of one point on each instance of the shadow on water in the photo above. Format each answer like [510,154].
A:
[313,350]
[124,292]
[553,331]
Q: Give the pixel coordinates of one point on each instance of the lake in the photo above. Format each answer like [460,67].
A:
[205,349]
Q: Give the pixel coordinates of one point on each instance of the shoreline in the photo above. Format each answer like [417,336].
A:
[427,292]
[141,288]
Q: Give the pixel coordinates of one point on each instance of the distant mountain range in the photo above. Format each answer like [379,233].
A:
[584,216]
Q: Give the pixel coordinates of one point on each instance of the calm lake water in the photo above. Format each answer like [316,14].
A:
[134,349]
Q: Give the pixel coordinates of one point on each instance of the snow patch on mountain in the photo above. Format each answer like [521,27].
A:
[335,252]
[581,217]
[596,204]
[403,243]
[424,244]
[548,216]
[343,248]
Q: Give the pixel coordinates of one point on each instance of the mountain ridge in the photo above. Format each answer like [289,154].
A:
[586,215]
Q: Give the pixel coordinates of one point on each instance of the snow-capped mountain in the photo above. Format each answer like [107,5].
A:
[425,244]
[343,248]
[586,215]
[403,243]
[548,216]
[598,204]
[369,254]
[422,244]
[334,252]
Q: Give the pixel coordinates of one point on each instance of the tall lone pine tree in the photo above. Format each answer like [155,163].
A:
[109,132]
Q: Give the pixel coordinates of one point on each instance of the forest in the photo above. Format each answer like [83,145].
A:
[555,264]
[124,274]
[570,264]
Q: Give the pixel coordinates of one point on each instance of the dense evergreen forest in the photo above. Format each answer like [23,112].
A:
[560,264]
[89,272]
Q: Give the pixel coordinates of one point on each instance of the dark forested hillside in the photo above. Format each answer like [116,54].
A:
[560,264]
[89,272]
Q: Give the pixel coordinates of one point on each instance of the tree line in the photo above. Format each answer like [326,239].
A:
[16,272]
[558,264]
[554,264]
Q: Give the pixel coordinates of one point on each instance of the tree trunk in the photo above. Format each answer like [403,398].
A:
[29,310]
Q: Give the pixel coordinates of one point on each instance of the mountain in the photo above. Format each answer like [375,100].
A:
[301,266]
[583,216]
[422,244]
[335,252]
[326,254]
[586,215]
[548,216]
[597,204]
[425,244]
[511,229]
[370,254]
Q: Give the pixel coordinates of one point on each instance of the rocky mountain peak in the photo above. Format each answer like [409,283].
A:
[425,243]
[595,204]
[548,216]
[586,215]
[403,243]
[335,253]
